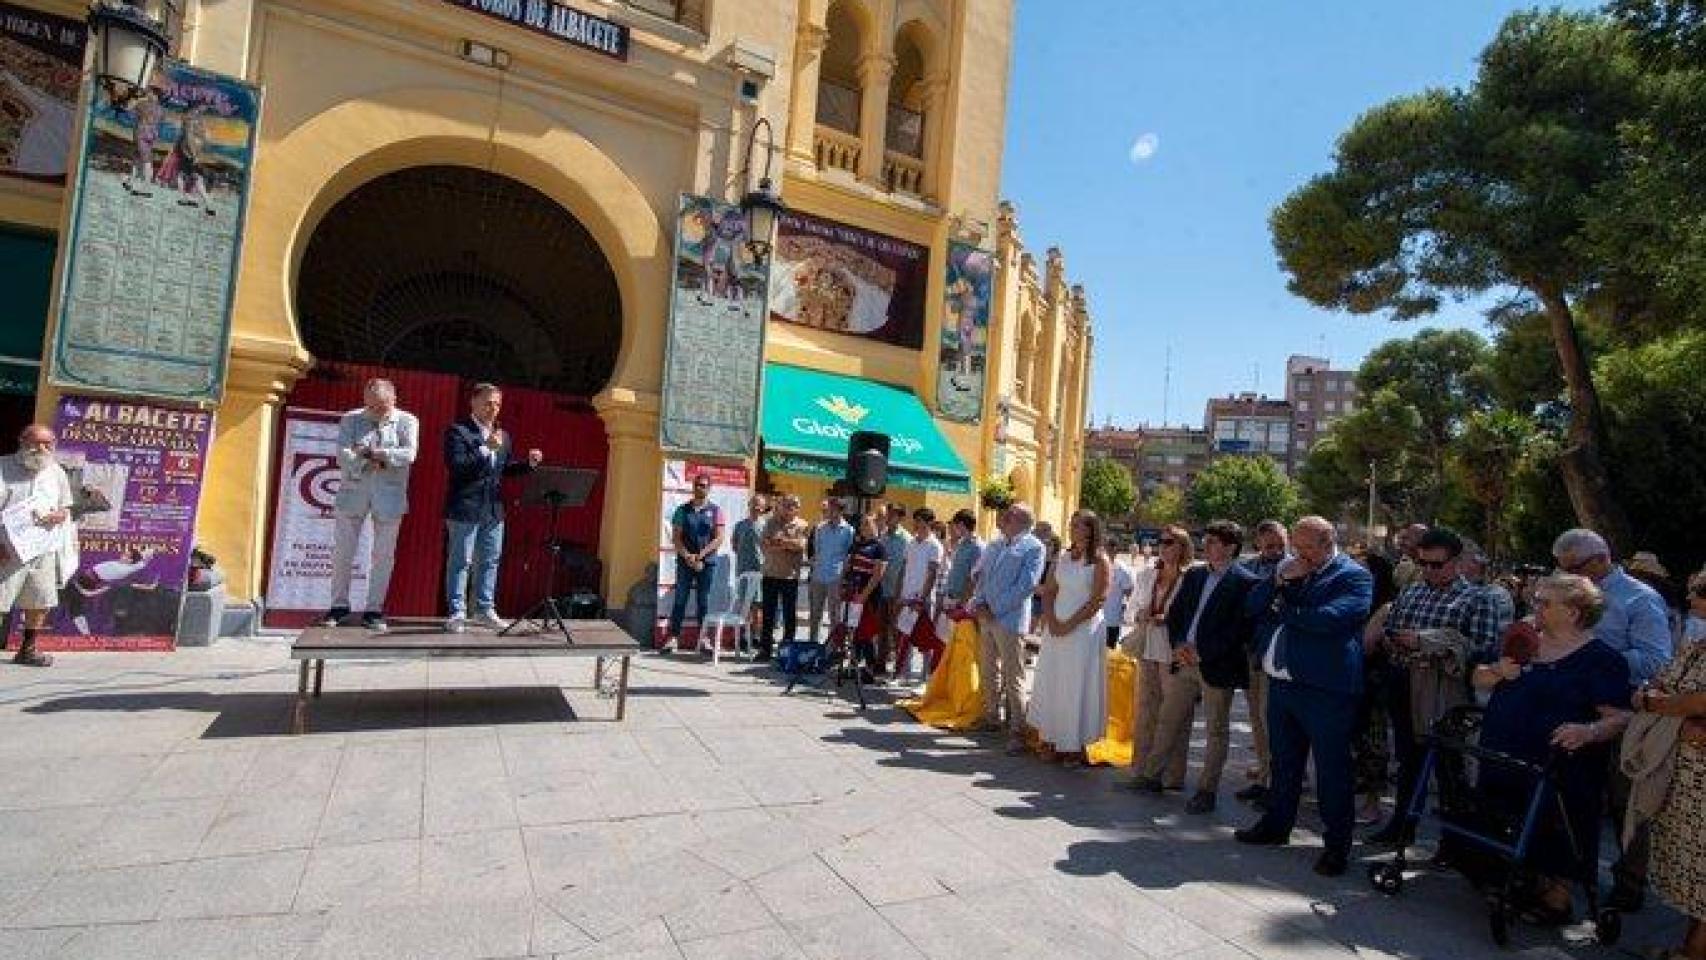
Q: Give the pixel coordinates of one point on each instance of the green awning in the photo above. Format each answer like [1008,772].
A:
[810,415]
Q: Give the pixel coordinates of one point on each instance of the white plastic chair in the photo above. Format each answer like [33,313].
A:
[738,615]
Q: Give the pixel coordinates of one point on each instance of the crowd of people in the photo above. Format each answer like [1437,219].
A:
[1347,658]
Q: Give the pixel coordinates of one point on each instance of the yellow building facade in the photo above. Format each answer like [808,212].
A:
[890,117]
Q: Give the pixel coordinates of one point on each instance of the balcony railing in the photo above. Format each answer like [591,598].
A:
[836,150]
[903,174]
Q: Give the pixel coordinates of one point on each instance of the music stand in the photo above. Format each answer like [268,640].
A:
[556,488]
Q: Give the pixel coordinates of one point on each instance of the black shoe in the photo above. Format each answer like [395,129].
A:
[335,617]
[1332,863]
[1253,793]
[762,656]
[1201,802]
[1142,784]
[375,621]
[1262,835]
[1626,898]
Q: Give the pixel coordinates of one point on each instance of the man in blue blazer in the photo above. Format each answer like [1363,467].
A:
[1210,632]
[479,454]
[1310,640]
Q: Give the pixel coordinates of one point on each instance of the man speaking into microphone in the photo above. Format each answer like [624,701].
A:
[478,454]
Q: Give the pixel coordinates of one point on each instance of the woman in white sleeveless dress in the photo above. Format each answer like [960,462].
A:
[1069,697]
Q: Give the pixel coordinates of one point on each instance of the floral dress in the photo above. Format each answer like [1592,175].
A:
[1678,869]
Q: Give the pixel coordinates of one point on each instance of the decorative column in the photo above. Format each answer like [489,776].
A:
[876,70]
[633,490]
[934,99]
[240,469]
[802,108]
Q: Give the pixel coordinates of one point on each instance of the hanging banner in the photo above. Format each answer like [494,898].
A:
[731,490]
[136,472]
[965,333]
[299,581]
[715,352]
[41,72]
[835,277]
[156,233]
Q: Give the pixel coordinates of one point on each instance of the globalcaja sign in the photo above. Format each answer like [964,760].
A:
[558,22]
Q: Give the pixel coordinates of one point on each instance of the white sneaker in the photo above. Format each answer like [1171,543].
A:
[491,619]
[455,625]
[670,645]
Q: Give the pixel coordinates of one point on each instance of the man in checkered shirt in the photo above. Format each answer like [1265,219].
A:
[1436,631]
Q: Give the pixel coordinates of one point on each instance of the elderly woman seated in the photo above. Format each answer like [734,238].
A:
[1567,699]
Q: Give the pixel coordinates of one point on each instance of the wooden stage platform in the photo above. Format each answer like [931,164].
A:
[426,639]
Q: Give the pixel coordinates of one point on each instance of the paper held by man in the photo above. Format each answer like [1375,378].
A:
[25,537]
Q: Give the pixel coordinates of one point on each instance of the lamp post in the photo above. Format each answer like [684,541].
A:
[128,46]
[762,204]
[1373,494]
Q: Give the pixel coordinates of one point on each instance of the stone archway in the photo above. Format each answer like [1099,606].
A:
[458,270]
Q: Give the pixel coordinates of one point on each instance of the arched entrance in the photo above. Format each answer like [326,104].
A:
[439,277]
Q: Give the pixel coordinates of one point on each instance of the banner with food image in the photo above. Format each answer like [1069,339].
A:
[965,333]
[41,70]
[835,277]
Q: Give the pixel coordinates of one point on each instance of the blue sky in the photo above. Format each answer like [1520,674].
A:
[1236,102]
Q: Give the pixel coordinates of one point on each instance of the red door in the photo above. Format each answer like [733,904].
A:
[565,429]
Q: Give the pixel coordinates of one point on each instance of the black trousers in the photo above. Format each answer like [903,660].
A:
[781,602]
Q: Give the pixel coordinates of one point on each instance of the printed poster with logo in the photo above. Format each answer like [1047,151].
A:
[299,583]
[835,277]
[41,74]
[136,472]
[965,333]
[714,356]
[155,236]
[731,490]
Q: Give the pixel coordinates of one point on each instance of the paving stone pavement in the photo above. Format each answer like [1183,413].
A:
[153,805]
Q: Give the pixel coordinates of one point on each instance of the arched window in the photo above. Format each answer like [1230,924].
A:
[906,115]
[838,89]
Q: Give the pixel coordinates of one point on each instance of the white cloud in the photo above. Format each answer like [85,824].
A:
[1144,147]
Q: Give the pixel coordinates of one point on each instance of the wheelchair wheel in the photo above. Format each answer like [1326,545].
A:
[1386,878]
[1608,927]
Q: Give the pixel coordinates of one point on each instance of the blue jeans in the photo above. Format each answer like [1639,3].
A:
[480,545]
[699,583]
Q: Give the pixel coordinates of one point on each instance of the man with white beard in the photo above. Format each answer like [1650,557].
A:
[33,587]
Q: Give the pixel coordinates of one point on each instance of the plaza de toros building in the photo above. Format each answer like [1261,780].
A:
[454,191]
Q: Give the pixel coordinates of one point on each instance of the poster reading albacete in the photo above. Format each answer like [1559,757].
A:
[156,230]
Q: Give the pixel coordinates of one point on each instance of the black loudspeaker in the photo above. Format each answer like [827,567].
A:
[868,463]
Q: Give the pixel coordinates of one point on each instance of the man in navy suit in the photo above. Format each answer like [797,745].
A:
[478,454]
[1209,629]
[1310,629]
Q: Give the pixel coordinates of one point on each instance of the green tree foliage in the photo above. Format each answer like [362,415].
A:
[1648,224]
[1656,397]
[1454,193]
[1494,447]
[1162,506]
[1245,489]
[1423,391]
[1107,488]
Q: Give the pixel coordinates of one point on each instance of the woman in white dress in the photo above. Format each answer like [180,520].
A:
[1069,697]
[1144,638]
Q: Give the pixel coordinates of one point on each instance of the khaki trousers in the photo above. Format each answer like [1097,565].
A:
[1257,699]
[1151,698]
[1179,695]
[1001,673]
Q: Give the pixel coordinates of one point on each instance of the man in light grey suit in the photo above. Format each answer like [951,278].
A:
[376,447]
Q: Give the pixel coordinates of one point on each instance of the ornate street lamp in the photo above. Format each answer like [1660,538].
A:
[762,204]
[128,46]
